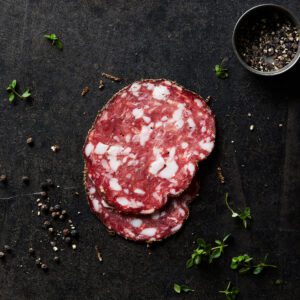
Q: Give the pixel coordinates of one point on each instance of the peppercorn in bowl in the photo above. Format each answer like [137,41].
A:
[266,40]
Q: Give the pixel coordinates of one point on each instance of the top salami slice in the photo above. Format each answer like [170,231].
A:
[145,144]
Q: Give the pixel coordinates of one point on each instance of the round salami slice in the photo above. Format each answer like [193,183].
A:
[147,228]
[145,144]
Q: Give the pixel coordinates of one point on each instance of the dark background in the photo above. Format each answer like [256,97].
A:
[178,40]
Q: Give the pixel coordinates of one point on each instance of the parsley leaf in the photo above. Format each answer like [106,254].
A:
[12,93]
[55,41]
[206,252]
[244,263]
[181,288]
[230,293]
[221,71]
[26,94]
[243,215]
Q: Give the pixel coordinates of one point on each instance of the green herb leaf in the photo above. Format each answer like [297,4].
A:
[221,71]
[12,93]
[244,264]
[11,97]
[51,37]
[206,252]
[231,292]
[257,270]
[55,41]
[243,215]
[59,44]
[13,84]
[26,94]
[181,288]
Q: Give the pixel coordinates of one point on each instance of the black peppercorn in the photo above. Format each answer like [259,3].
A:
[50,182]
[44,186]
[2,254]
[7,248]
[68,240]
[44,267]
[43,194]
[31,251]
[3,178]
[74,233]
[30,141]
[51,230]
[46,224]
[57,207]
[25,179]
[38,262]
[66,232]
[56,259]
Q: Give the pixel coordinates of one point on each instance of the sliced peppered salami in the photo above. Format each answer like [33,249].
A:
[147,228]
[145,144]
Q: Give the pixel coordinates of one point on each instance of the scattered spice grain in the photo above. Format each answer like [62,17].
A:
[84,91]
[111,77]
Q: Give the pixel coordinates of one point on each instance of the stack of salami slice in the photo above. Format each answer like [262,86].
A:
[141,157]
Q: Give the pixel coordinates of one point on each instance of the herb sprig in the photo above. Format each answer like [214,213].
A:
[244,215]
[12,93]
[221,71]
[244,263]
[181,288]
[207,252]
[55,41]
[230,292]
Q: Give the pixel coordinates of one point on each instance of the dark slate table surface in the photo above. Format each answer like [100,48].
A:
[178,40]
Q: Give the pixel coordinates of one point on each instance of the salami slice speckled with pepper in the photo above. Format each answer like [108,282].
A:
[145,145]
[147,228]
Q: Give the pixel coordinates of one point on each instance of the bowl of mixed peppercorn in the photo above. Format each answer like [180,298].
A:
[266,39]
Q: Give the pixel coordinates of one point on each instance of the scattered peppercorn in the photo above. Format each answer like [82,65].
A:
[25,179]
[43,194]
[50,182]
[68,240]
[31,251]
[54,215]
[55,148]
[74,247]
[74,233]
[64,212]
[45,208]
[30,141]
[44,186]
[44,267]
[2,255]
[66,232]
[56,259]
[7,248]
[57,207]
[46,224]
[51,209]
[38,262]
[51,230]
[3,178]
[61,217]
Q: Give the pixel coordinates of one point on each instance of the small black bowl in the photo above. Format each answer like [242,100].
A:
[249,18]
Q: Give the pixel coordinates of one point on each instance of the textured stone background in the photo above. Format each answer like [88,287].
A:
[178,40]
